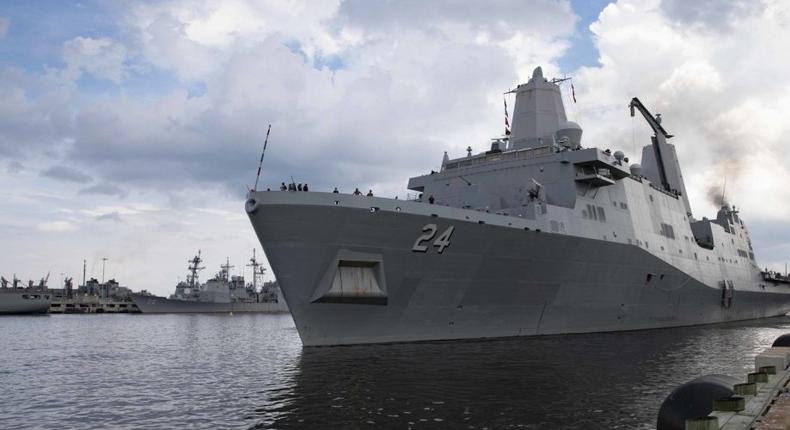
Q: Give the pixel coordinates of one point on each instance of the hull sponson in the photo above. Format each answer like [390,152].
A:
[161,305]
[491,281]
[14,302]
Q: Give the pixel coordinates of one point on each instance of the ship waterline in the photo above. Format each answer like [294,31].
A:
[494,279]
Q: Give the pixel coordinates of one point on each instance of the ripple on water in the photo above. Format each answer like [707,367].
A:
[204,371]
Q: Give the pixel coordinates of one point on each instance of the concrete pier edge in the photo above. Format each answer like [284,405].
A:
[762,403]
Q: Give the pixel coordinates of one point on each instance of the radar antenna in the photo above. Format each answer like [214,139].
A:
[194,268]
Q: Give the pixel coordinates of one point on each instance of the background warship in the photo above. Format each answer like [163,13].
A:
[537,235]
[221,294]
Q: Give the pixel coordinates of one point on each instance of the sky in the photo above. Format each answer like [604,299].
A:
[130,130]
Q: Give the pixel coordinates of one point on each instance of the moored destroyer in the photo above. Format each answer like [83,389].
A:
[538,235]
[224,293]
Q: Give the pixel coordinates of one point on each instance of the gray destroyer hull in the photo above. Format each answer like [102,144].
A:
[23,302]
[490,281]
[161,305]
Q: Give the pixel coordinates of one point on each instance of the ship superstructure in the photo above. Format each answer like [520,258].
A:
[536,235]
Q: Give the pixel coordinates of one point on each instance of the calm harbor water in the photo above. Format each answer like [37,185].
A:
[250,371]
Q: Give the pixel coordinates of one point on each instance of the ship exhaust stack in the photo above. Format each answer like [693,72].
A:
[538,114]
[659,160]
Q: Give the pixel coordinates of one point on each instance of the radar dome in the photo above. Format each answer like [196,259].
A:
[618,155]
[636,169]
[569,134]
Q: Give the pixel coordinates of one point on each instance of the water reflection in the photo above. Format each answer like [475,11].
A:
[609,380]
[242,371]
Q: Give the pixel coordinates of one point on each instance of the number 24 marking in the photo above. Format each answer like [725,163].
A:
[428,232]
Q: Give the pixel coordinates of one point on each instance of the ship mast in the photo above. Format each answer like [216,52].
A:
[255,272]
[225,274]
[194,267]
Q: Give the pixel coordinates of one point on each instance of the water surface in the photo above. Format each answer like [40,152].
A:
[250,371]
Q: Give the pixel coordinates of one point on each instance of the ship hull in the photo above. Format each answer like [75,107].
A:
[490,281]
[160,305]
[23,302]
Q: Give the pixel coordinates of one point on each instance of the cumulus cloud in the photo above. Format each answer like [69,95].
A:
[722,94]
[413,89]
[101,57]
[65,173]
[367,94]
[195,38]
[710,14]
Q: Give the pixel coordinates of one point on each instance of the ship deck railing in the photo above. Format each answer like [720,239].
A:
[497,156]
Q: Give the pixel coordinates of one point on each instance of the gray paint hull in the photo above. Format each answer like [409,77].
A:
[491,281]
[161,305]
[14,302]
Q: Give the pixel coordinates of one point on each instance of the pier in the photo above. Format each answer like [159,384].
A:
[760,402]
[92,305]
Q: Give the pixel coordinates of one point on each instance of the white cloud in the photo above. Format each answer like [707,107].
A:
[101,57]
[398,93]
[367,94]
[195,38]
[57,226]
[717,80]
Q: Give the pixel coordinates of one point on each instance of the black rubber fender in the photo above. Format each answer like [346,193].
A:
[693,399]
[783,340]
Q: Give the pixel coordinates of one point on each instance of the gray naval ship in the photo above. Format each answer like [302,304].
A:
[537,235]
[221,294]
[16,300]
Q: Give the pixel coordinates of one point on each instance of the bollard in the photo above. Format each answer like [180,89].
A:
[703,423]
[771,370]
[730,404]
[746,389]
[757,377]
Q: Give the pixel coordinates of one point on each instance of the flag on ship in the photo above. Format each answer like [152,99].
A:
[507,121]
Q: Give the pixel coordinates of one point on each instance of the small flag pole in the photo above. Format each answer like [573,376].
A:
[573,91]
[260,165]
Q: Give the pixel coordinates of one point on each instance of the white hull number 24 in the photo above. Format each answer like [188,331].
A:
[428,232]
